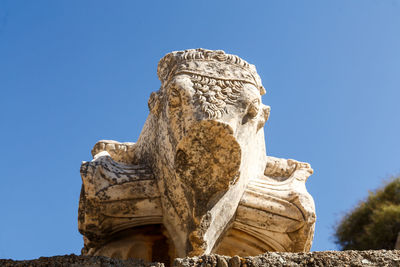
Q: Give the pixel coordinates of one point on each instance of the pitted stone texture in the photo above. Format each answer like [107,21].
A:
[198,179]
[310,259]
[389,258]
[78,261]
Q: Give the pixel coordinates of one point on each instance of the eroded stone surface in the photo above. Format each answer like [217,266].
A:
[198,180]
[319,258]
[79,261]
[322,258]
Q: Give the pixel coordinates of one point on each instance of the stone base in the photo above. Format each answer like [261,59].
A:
[319,258]
[78,261]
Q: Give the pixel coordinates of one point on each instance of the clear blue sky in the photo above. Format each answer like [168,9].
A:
[74,72]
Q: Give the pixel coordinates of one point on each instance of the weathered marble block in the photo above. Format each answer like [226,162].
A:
[198,180]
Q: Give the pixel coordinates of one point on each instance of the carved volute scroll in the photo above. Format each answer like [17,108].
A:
[198,179]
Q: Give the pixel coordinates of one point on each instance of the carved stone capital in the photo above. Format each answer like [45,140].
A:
[198,179]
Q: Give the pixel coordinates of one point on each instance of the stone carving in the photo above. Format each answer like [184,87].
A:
[198,180]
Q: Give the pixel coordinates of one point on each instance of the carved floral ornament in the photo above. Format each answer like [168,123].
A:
[198,179]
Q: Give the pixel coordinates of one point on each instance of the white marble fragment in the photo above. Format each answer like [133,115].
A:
[198,180]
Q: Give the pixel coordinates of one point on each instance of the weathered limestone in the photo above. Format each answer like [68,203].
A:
[198,180]
[276,259]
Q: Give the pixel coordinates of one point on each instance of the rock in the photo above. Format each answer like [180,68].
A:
[319,258]
[234,261]
[77,261]
[222,262]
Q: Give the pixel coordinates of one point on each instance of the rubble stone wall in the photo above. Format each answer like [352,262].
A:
[321,258]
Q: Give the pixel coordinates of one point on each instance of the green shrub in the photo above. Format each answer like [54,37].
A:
[373,223]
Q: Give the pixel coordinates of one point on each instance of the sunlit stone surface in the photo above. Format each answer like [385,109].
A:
[198,179]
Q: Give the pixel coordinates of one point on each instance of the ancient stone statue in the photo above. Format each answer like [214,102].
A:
[198,180]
